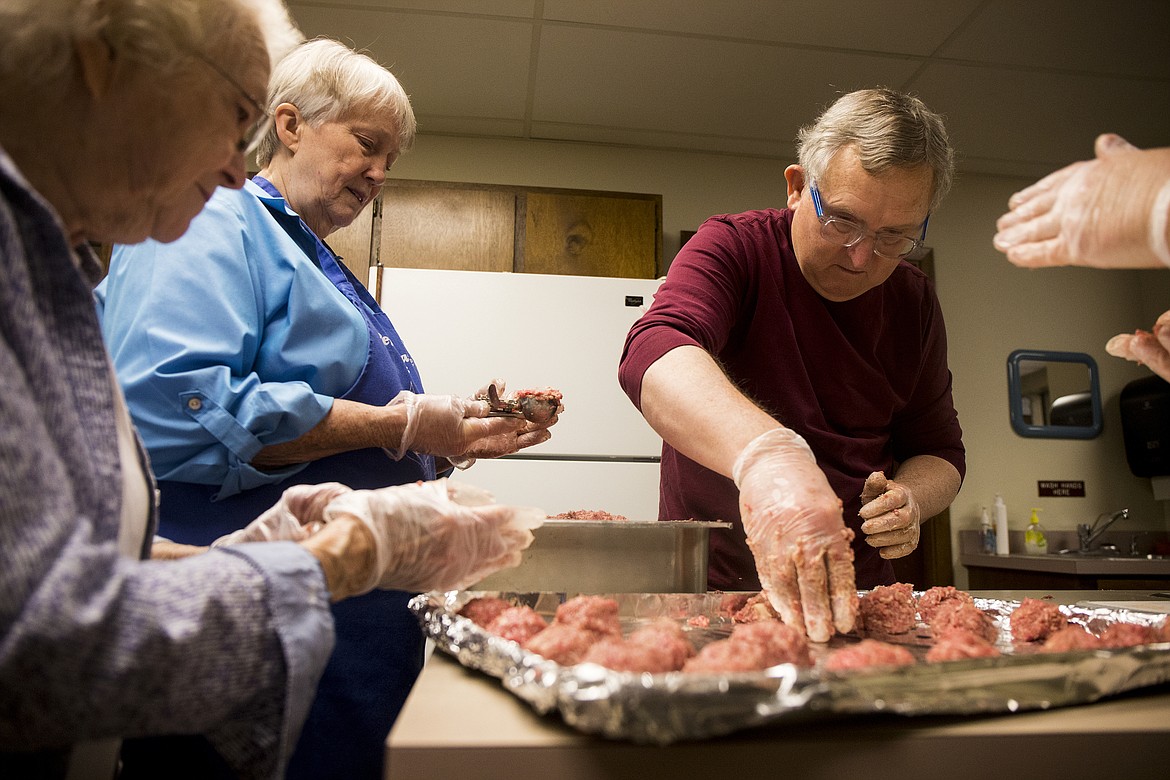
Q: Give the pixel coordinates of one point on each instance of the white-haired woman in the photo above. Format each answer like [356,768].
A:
[122,118]
[252,360]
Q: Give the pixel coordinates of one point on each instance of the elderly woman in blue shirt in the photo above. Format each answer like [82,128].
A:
[252,360]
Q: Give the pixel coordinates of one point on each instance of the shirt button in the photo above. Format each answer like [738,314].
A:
[194,404]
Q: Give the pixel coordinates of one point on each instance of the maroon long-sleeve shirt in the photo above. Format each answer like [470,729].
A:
[864,381]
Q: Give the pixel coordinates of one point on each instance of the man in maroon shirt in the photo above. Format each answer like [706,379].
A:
[790,354]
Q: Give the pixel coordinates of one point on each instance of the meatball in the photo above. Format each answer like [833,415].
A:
[935,597]
[518,624]
[888,609]
[959,643]
[730,603]
[483,609]
[1035,619]
[1128,635]
[667,637]
[956,613]
[562,643]
[866,654]
[596,614]
[1071,637]
[751,647]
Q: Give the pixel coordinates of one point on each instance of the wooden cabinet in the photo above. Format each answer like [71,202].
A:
[483,227]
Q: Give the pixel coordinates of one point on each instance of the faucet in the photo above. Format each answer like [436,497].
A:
[1087,534]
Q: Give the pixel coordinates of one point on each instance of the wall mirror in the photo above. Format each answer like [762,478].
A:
[1054,395]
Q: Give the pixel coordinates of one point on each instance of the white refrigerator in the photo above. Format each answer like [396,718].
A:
[465,327]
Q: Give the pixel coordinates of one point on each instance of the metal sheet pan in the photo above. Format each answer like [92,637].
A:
[665,708]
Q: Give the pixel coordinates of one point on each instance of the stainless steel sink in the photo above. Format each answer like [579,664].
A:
[1108,553]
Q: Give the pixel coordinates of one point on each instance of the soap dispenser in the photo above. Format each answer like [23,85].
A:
[1035,542]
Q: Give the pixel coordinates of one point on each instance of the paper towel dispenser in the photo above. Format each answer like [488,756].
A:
[1145,425]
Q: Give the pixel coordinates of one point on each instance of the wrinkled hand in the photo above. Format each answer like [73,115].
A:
[892,517]
[298,513]
[437,535]
[528,435]
[794,528]
[1110,212]
[1152,349]
[446,425]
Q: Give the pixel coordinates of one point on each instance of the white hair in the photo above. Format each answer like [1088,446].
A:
[37,36]
[326,81]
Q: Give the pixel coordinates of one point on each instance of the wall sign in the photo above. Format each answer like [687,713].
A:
[1047,488]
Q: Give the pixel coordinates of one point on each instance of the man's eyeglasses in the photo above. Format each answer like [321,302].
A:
[259,128]
[847,233]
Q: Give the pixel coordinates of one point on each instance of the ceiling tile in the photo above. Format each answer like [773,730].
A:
[1038,119]
[691,85]
[1119,37]
[902,26]
[450,65]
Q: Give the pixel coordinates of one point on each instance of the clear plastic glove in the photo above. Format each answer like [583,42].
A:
[437,535]
[1111,212]
[1152,349]
[794,528]
[528,435]
[299,512]
[892,517]
[446,425]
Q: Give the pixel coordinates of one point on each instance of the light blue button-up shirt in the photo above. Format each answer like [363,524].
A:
[192,374]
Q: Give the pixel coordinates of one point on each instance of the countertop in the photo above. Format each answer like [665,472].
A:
[458,723]
[1071,564]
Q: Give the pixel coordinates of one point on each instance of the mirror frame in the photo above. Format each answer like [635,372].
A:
[1015,397]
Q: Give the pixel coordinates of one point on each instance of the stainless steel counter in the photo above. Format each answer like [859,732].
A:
[461,724]
[1071,564]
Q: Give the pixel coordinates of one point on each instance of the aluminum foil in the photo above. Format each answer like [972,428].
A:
[665,708]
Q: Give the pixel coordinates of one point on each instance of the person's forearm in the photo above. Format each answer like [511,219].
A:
[348,426]
[690,403]
[933,482]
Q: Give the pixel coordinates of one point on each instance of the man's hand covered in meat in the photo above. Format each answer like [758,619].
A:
[892,517]
[794,528]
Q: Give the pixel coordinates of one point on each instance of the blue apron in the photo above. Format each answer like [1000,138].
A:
[379,650]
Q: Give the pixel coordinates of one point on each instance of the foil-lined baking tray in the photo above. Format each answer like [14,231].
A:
[664,708]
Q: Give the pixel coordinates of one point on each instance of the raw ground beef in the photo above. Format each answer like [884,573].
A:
[562,643]
[544,393]
[1128,635]
[595,614]
[1035,619]
[956,613]
[751,647]
[730,603]
[866,654]
[888,609]
[587,514]
[959,643]
[666,636]
[518,624]
[934,597]
[483,609]
[1071,637]
[755,609]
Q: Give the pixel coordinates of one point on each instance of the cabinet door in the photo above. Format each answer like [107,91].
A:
[447,228]
[589,235]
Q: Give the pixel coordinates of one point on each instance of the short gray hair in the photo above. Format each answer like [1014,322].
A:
[37,36]
[888,129]
[326,81]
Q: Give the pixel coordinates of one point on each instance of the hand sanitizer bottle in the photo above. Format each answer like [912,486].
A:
[986,533]
[1035,542]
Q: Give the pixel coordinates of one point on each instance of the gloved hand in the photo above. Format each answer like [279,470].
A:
[794,528]
[1153,349]
[1111,212]
[446,425]
[437,535]
[892,517]
[298,513]
[528,435]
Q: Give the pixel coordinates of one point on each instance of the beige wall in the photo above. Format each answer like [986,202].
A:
[991,307]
